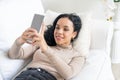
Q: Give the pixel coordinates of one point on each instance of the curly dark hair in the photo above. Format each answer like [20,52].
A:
[49,33]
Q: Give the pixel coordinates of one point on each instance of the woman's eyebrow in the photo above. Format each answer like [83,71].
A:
[66,26]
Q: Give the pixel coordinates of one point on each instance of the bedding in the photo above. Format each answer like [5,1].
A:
[91,41]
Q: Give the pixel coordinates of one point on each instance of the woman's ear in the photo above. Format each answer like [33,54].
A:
[74,35]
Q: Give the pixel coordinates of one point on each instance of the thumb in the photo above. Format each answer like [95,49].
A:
[42,29]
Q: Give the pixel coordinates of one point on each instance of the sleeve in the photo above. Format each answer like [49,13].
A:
[18,51]
[67,71]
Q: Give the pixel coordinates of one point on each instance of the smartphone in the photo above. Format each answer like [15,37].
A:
[37,21]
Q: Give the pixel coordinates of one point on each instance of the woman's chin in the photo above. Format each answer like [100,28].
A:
[58,43]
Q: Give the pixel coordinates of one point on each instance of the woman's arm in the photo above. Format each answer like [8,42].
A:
[65,70]
[18,51]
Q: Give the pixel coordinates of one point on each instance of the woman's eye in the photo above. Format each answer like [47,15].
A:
[66,29]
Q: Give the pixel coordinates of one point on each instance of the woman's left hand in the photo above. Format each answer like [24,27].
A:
[39,40]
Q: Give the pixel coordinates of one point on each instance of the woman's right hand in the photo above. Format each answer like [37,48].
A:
[25,37]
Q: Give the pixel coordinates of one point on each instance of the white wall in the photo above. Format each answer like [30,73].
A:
[96,6]
[69,5]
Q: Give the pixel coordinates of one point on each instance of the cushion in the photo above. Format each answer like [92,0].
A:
[15,17]
[82,44]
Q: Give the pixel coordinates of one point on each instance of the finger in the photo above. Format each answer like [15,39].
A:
[30,33]
[32,30]
[29,41]
[27,34]
[25,38]
[36,39]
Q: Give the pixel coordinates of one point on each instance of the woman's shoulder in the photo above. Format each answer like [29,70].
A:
[77,53]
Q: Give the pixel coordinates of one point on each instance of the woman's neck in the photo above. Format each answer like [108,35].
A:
[65,46]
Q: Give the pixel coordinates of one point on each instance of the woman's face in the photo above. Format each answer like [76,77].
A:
[64,32]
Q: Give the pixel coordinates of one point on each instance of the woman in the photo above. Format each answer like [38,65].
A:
[54,58]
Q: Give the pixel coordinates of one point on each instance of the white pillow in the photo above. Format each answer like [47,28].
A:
[82,44]
[15,17]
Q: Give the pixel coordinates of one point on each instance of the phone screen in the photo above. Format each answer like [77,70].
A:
[37,21]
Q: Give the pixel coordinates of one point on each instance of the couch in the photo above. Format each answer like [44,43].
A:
[94,39]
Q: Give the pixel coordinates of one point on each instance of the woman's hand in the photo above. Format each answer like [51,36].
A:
[25,37]
[39,40]
[31,36]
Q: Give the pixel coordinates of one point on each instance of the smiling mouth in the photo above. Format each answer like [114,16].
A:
[59,38]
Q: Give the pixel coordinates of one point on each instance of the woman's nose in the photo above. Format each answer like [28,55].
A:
[60,31]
